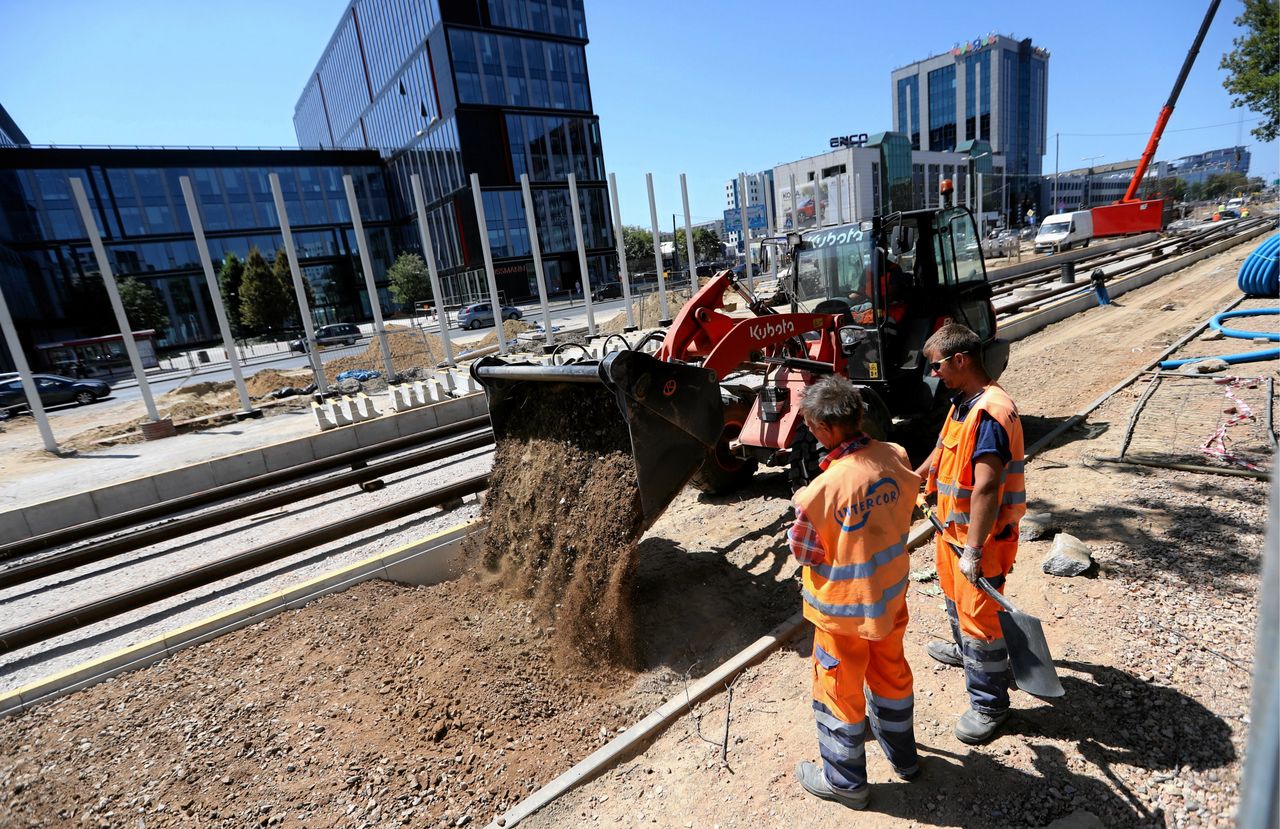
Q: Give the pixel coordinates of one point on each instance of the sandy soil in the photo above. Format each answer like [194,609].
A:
[441,701]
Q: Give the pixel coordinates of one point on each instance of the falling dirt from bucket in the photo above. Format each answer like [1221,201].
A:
[564,517]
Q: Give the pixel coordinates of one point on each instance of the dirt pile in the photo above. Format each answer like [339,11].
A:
[510,328]
[268,380]
[381,705]
[648,311]
[564,517]
[410,348]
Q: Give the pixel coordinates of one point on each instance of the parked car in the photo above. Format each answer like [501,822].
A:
[481,313]
[611,290]
[54,390]
[342,333]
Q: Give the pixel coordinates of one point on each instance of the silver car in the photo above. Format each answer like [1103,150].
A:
[481,313]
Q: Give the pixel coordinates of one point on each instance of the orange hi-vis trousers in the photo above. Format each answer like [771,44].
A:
[857,680]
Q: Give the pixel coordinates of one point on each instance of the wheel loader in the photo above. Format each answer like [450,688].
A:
[720,394]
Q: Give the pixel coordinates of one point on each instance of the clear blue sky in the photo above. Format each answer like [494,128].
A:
[703,88]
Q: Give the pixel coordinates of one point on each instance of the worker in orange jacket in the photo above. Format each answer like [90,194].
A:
[976,470]
[850,534]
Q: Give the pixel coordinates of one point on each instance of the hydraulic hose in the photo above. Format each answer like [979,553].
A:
[1241,357]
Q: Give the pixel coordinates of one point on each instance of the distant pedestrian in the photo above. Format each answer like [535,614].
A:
[850,534]
[977,472]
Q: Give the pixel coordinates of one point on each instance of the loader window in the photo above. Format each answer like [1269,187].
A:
[964,258]
[835,264]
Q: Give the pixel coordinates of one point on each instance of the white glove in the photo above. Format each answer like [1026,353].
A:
[971,564]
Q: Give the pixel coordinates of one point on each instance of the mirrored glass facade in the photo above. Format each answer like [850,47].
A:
[445,89]
[51,276]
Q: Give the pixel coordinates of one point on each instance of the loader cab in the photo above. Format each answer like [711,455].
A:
[892,282]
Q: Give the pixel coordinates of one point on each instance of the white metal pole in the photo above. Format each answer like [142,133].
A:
[621,244]
[535,248]
[1057,149]
[113,294]
[366,263]
[429,251]
[968,191]
[24,373]
[839,200]
[982,206]
[795,205]
[772,218]
[488,264]
[817,200]
[215,293]
[304,310]
[853,183]
[657,252]
[857,188]
[690,255]
[744,202]
[582,255]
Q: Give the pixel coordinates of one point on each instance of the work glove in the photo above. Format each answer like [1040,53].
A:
[971,564]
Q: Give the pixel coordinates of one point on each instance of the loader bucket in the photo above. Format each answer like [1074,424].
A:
[673,411]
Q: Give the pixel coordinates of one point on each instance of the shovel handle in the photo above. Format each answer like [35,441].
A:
[982,580]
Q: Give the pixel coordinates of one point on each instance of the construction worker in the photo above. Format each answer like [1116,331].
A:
[850,533]
[977,472]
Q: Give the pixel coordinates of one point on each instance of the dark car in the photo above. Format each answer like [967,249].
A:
[342,333]
[54,390]
[612,290]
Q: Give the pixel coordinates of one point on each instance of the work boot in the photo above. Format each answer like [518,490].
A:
[815,783]
[948,653]
[976,727]
[908,774]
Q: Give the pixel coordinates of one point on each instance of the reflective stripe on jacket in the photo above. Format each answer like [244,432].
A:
[953,475]
[861,508]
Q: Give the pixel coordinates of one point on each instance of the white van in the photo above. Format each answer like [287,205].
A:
[1063,231]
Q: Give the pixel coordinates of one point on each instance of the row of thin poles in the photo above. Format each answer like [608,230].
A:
[9,330]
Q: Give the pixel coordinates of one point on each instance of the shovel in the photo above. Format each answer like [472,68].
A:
[1023,636]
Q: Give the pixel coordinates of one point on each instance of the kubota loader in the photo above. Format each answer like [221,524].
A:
[721,393]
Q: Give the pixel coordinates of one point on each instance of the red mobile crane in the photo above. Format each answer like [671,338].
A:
[1131,214]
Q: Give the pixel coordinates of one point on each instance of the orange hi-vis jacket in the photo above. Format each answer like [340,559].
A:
[952,478]
[860,507]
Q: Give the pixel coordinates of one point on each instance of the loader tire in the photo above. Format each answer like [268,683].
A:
[806,453]
[722,472]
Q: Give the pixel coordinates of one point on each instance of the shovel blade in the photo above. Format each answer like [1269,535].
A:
[1029,655]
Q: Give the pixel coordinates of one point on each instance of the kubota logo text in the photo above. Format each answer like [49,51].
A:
[768,330]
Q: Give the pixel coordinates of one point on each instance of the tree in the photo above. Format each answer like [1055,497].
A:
[1254,66]
[264,305]
[706,244]
[1225,185]
[229,276]
[410,282]
[637,243]
[142,305]
[284,275]
[1170,189]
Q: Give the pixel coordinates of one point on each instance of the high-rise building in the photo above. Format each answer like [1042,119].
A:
[991,89]
[447,88]
[10,135]
[759,188]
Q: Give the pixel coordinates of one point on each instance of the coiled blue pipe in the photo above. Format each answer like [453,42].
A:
[1245,356]
[1260,273]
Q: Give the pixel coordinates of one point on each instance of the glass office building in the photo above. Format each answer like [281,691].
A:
[444,89]
[50,275]
[10,135]
[992,89]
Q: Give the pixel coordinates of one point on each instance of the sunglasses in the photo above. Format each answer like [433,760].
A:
[934,366]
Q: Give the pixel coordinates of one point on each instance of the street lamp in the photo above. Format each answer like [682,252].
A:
[1088,181]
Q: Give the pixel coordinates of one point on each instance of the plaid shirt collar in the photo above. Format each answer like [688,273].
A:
[848,447]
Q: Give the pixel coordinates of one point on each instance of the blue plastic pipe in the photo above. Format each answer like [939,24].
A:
[1242,357]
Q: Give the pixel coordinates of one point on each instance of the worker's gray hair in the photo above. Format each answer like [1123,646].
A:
[954,338]
[834,401]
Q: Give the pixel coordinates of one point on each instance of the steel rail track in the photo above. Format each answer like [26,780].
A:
[196,577]
[354,458]
[109,548]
